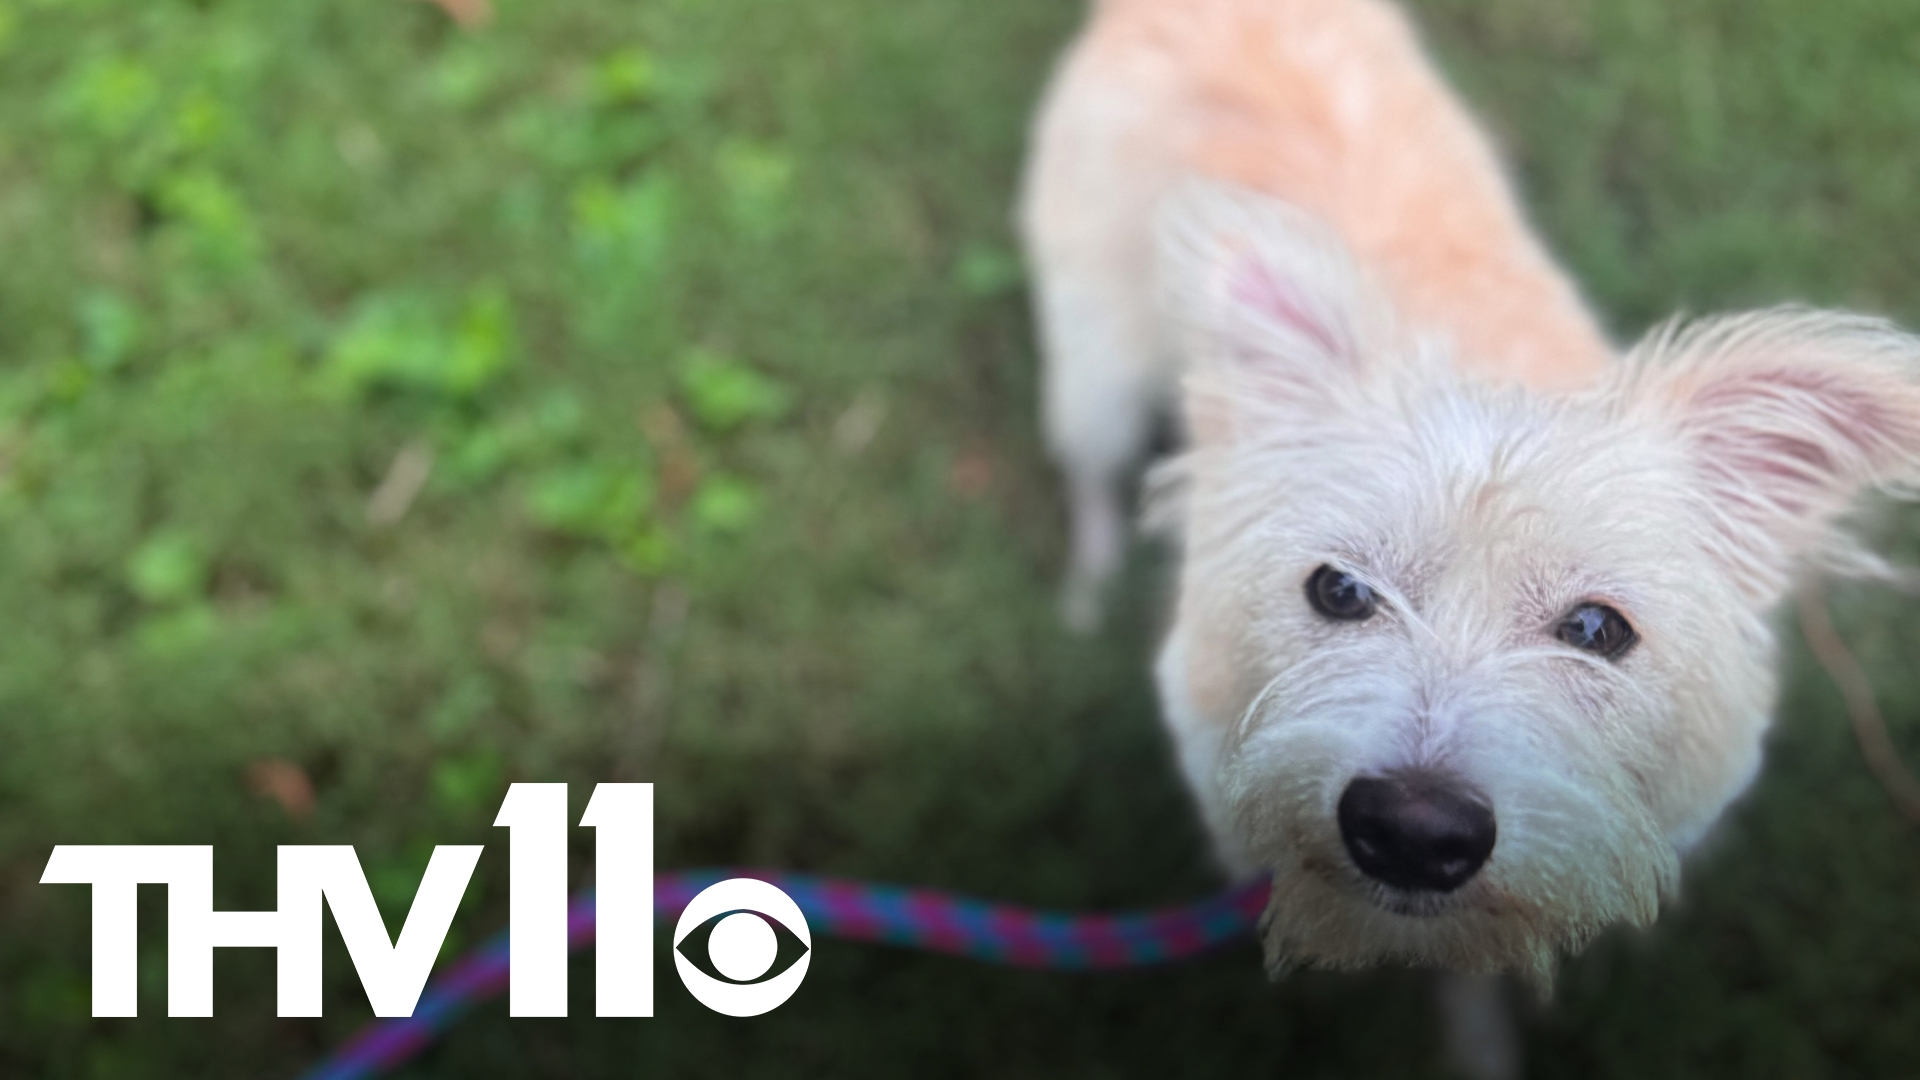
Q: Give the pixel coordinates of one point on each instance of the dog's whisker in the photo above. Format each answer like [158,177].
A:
[1253,707]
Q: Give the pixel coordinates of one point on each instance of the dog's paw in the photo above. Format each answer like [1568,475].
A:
[1481,1040]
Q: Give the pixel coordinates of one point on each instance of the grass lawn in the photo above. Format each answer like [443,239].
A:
[644,391]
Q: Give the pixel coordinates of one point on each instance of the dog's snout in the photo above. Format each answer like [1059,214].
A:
[1415,831]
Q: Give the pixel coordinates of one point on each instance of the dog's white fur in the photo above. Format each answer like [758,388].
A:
[1273,213]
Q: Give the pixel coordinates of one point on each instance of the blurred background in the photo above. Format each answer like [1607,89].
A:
[399,400]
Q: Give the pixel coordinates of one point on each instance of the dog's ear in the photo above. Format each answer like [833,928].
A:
[1785,416]
[1273,312]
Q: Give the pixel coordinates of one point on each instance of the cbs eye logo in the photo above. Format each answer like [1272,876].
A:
[742,947]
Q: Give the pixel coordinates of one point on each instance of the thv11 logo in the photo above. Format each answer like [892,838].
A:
[743,940]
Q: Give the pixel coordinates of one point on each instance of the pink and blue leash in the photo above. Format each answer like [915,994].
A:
[915,918]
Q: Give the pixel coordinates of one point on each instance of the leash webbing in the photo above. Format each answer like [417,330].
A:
[911,917]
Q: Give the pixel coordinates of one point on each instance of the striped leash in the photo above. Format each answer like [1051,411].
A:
[894,915]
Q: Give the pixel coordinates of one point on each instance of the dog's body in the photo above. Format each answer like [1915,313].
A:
[1471,640]
[1328,105]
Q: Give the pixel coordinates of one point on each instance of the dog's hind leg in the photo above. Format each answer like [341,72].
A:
[1100,397]
[1095,173]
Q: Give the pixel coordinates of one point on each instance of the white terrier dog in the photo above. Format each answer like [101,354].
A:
[1471,641]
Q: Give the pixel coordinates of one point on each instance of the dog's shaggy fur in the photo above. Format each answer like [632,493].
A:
[1274,213]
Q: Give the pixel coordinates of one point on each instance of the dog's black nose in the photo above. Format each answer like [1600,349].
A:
[1415,831]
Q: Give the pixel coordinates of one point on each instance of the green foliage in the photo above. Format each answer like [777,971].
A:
[470,785]
[625,77]
[396,342]
[757,179]
[984,270]
[623,229]
[724,393]
[725,504]
[208,220]
[109,330]
[590,500]
[482,450]
[167,569]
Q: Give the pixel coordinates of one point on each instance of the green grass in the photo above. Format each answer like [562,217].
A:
[706,315]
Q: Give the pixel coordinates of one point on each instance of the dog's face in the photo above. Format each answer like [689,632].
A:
[1484,662]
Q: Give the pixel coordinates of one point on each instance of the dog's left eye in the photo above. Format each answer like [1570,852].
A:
[1339,595]
[1598,629]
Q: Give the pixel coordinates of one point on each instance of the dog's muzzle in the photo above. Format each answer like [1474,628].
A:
[1415,831]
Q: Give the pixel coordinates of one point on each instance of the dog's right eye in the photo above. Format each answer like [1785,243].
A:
[1339,595]
[1598,629]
